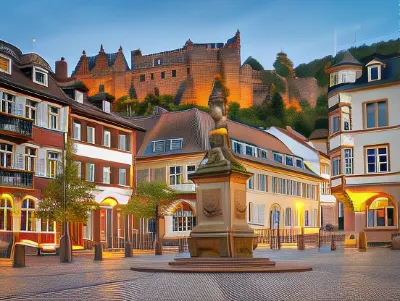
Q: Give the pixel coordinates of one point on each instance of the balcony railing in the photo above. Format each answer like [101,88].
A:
[16,125]
[16,178]
[184,187]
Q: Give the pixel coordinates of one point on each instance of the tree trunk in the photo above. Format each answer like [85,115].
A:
[65,245]
[128,245]
[157,244]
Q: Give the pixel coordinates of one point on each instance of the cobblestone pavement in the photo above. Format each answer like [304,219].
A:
[339,275]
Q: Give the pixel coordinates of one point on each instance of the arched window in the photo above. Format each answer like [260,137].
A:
[183,218]
[381,213]
[288,217]
[5,214]
[306,218]
[28,215]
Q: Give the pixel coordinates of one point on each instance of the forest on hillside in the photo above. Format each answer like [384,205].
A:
[271,112]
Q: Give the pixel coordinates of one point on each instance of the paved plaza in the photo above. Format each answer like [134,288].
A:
[339,275]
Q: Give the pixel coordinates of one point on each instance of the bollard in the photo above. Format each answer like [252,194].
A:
[300,243]
[362,242]
[128,249]
[98,252]
[333,245]
[19,256]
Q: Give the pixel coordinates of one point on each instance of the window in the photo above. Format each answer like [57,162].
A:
[28,215]
[173,73]
[106,175]
[374,73]
[175,175]
[142,175]
[87,229]
[299,163]
[189,170]
[47,225]
[107,138]
[54,113]
[381,213]
[162,74]
[262,153]
[176,144]
[256,213]
[334,79]
[142,77]
[376,114]
[262,183]
[152,76]
[325,188]
[90,134]
[159,146]
[40,76]
[90,172]
[289,160]
[6,154]
[30,110]
[106,106]
[237,147]
[30,158]
[52,164]
[288,217]
[278,157]
[77,130]
[335,124]
[336,166]
[183,219]
[101,88]
[250,182]
[157,62]
[187,70]
[377,159]
[7,103]
[122,142]
[249,150]
[5,214]
[306,218]
[122,176]
[348,161]
[5,64]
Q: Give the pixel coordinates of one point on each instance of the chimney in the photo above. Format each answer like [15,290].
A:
[61,69]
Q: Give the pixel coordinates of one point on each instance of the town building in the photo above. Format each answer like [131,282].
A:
[319,163]
[364,135]
[187,73]
[283,193]
[33,128]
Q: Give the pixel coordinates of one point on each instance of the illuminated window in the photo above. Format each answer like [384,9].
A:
[52,164]
[47,225]
[30,158]
[28,215]
[5,64]
[5,214]
[381,213]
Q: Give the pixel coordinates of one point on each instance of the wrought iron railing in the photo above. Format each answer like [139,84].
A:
[16,178]
[15,124]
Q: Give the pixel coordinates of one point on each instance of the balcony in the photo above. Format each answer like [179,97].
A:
[184,187]
[16,178]
[16,126]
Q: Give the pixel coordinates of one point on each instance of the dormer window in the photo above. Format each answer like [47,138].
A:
[106,106]
[5,64]
[40,76]
[374,73]
[159,146]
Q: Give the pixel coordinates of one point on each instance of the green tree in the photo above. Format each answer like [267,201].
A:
[233,111]
[132,92]
[67,198]
[254,64]
[278,107]
[303,124]
[150,200]
[283,65]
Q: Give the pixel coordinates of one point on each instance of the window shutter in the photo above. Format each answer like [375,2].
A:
[19,105]
[19,162]
[63,119]
[261,214]
[43,118]
[41,162]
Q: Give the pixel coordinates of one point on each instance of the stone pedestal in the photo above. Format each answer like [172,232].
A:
[19,256]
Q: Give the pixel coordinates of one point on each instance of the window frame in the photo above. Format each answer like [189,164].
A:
[49,164]
[45,76]
[124,177]
[88,165]
[379,70]
[7,155]
[106,175]
[77,130]
[336,159]
[55,115]
[250,183]
[180,144]
[125,148]
[376,113]
[109,138]
[377,156]
[154,146]
[9,64]
[29,109]
[29,211]
[262,179]
[333,129]
[7,106]
[348,162]
[175,175]
[375,217]
[28,157]
[88,129]
[278,155]
[106,106]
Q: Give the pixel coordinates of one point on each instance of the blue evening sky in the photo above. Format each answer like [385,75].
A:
[304,29]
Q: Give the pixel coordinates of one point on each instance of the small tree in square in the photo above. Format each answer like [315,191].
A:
[150,200]
[67,198]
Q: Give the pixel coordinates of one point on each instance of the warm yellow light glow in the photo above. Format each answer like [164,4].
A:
[359,198]
[109,202]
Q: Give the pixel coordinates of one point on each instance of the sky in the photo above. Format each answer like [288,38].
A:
[304,29]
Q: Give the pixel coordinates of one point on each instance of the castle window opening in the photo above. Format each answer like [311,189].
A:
[152,76]
[188,70]
[162,74]
[142,77]
[173,73]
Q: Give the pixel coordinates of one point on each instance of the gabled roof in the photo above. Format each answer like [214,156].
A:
[390,73]
[111,57]
[319,134]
